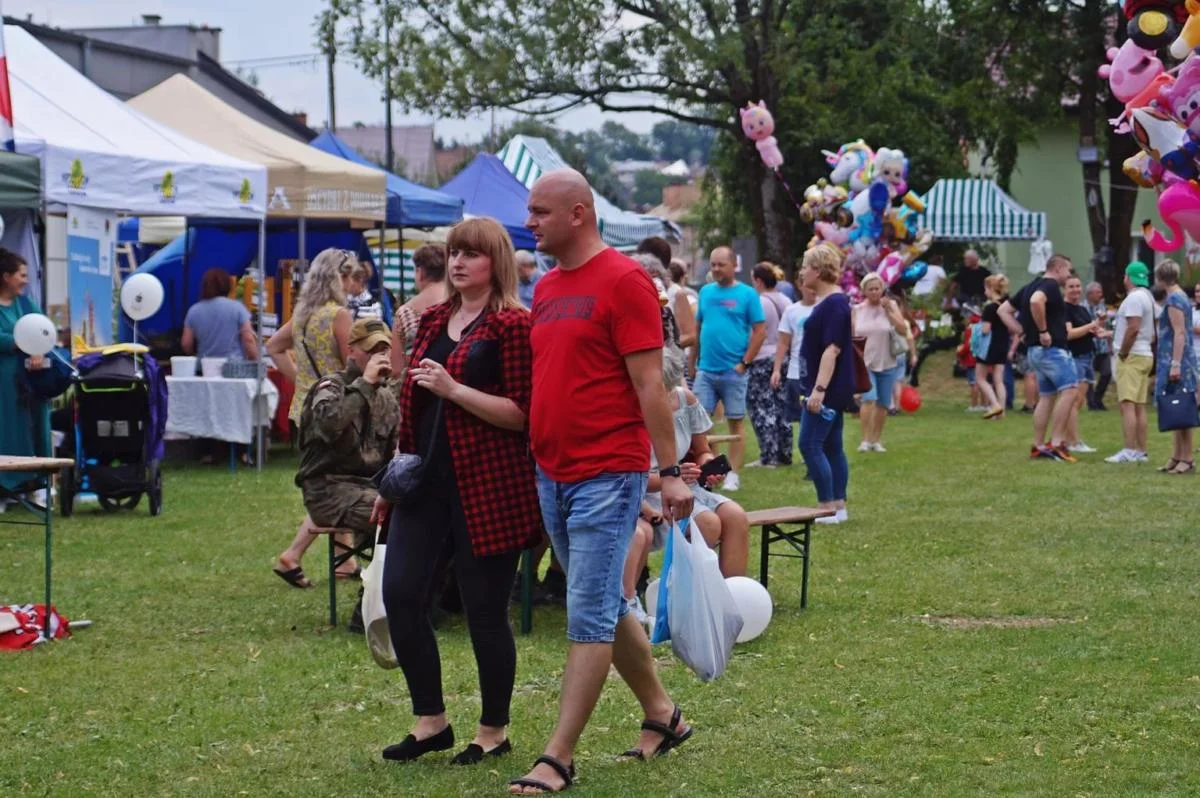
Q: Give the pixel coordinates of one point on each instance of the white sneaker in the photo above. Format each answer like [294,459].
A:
[1140,457]
[732,483]
[1123,456]
[837,518]
[636,609]
[753,464]
[877,447]
[866,447]
[1081,448]
[977,409]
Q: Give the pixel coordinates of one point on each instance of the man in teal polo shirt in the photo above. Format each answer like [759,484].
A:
[731,322]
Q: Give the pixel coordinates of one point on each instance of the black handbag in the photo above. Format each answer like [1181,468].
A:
[402,480]
[1176,408]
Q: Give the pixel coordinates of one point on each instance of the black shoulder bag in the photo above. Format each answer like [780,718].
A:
[402,481]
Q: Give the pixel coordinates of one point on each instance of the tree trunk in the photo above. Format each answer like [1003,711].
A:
[1122,202]
[1091,48]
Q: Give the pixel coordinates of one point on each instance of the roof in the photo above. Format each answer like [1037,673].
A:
[97,151]
[527,157]
[46,32]
[412,145]
[408,204]
[488,189]
[302,181]
[978,210]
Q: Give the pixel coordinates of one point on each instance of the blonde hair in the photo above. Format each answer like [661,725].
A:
[487,237]
[828,261]
[998,283]
[873,277]
[323,283]
[1167,272]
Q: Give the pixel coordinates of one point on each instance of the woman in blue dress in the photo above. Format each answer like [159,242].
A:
[25,421]
[1176,358]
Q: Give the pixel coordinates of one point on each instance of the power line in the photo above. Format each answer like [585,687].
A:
[265,59]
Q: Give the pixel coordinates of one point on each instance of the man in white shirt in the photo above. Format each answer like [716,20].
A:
[934,275]
[1134,340]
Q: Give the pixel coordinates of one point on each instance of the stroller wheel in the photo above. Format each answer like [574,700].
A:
[111,504]
[154,495]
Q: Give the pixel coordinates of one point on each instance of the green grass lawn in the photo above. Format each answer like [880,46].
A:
[984,625]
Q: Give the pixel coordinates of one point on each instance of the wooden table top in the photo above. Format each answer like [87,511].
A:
[786,515]
[13,463]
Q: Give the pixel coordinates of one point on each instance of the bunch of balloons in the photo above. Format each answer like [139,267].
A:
[864,207]
[1162,111]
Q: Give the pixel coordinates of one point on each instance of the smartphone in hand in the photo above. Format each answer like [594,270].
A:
[717,467]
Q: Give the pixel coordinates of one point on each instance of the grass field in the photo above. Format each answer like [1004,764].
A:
[984,625]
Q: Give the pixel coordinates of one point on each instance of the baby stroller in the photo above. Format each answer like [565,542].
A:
[120,417]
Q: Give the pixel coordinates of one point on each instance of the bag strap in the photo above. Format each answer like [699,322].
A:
[311,360]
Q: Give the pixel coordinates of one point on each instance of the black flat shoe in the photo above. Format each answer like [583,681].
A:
[412,748]
[473,754]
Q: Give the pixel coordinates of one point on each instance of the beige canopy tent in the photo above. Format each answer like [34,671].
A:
[302,181]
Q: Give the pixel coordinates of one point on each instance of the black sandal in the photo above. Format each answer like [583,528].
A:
[566,772]
[671,737]
[294,577]
[1169,467]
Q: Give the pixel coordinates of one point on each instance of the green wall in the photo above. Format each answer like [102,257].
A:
[1048,177]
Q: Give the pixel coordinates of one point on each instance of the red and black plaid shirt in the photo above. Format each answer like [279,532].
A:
[493,467]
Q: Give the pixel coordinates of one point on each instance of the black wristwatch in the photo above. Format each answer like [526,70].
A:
[745,365]
[820,388]
[672,471]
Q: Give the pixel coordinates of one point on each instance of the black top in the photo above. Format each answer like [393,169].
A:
[970,281]
[440,463]
[1080,316]
[1001,337]
[1056,314]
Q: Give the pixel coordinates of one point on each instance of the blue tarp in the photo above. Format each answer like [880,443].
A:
[234,249]
[408,205]
[489,189]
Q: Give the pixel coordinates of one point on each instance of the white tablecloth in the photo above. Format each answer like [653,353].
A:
[199,407]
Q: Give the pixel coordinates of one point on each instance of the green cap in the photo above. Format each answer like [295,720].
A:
[1138,274]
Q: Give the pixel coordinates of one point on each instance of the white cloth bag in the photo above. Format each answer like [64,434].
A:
[374,613]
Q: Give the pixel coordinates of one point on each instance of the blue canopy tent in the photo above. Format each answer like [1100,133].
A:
[180,266]
[488,189]
[408,204]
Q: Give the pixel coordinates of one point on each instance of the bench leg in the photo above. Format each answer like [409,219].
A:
[332,580]
[764,555]
[47,516]
[804,570]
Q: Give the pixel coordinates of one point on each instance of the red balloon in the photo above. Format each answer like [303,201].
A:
[910,399]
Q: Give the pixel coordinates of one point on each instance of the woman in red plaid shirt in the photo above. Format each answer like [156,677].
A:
[472,356]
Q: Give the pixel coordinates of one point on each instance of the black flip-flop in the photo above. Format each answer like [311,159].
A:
[672,738]
[566,772]
[294,577]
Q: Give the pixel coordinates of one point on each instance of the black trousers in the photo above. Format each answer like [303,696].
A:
[420,540]
[1103,366]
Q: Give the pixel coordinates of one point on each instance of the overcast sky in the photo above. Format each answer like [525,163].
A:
[268,28]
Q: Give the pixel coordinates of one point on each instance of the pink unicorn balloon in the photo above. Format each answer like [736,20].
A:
[759,125]
[1179,207]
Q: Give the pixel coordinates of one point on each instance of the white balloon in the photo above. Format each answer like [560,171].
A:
[34,334]
[141,296]
[652,598]
[754,603]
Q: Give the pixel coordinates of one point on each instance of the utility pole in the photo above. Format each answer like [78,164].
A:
[387,88]
[330,57]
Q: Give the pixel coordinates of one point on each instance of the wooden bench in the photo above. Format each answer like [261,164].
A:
[714,439]
[792,525]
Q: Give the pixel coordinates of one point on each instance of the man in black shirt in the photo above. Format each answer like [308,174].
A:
[967,286]
[1043,325]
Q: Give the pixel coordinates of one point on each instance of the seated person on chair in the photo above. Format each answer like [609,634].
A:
[348,431]
[722,521]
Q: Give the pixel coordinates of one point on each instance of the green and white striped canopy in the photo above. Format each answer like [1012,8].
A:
[527,157]
[978,210]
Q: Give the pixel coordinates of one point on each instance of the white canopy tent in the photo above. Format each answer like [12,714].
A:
[98,152]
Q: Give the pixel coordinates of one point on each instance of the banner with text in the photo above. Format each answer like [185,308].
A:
[91,242]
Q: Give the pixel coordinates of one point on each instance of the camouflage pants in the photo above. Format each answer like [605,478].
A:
[340,503]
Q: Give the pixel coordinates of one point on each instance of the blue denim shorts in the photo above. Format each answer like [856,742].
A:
[1085,369]
[882,383]
[590,524]
[728,387]
[1055,369]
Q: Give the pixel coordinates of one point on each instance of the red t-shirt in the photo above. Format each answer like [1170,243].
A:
[585,418]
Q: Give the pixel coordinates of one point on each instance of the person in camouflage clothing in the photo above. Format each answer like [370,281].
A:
[348,431]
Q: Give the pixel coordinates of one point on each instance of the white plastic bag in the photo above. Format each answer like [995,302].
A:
[379,640]
[703,617]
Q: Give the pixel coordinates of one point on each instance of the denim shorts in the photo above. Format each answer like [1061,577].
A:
[1085,369]
[882,383]
[590,524]
[728,387]
[1055,369]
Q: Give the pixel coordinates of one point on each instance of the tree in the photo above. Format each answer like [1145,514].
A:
[685,141]
[820,65]
[648,187]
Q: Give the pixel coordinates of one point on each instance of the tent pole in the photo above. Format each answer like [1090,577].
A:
[382,256]
[261,369]
[187,246]
[301,245]
[400,252]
